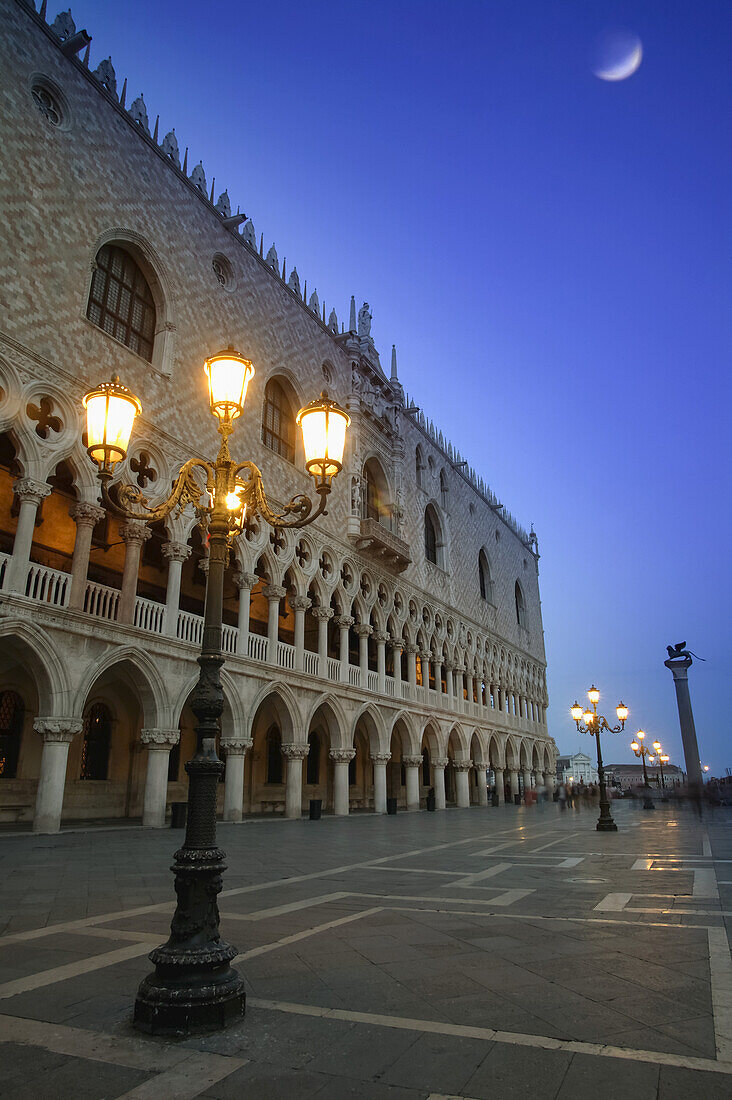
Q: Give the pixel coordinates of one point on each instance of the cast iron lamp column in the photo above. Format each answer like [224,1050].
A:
[643,751]
[194,987]
[591,722]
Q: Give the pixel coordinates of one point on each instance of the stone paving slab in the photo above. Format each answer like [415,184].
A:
[474,953]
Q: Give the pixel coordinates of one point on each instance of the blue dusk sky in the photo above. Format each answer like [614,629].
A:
[549,251]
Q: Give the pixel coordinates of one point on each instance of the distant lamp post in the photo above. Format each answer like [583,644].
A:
[194,987]
[642,750]
[589,721]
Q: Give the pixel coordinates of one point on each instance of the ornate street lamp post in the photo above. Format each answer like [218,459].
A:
[194,987]
[589,721]
[643,751]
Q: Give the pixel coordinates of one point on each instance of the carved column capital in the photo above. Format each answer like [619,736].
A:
[274,592]
[412,647]
[299,603]
[86,515]
[363,630]
[342,756]
[58,729]
[235,746]
[295,751]
[176,551]
[28,489]
[381,637]
[380,757]
[134,530]
[440,762]
[245,580]
[412,761]
[159,739]
[323,614]
[346,621]
[397,645]
[462,765]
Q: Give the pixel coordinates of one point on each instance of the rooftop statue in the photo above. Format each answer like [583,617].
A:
[364,320]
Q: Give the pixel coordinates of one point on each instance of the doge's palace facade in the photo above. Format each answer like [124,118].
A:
[394,647]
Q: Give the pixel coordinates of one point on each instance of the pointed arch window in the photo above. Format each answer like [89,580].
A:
[12,713]
[97,736]
[278,421]
[430,539]
[520,605]
[121,302]
[484,578]
[274,755]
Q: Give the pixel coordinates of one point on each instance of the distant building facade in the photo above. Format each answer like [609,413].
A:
[393,647]
[631,775]
[577,768]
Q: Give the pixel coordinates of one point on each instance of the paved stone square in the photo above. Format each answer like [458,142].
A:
[471,953]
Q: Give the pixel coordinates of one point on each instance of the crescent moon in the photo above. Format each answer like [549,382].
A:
[624,68]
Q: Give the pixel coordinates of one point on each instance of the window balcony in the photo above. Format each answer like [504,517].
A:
[378,542]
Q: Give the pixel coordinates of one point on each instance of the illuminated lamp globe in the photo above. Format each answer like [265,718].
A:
[657,746]
[634,746]
[323,424]
[640,735]
[576,712]
[593,695]
[110,413]
[589,717]
[228,375]
[622,712]
[665,759]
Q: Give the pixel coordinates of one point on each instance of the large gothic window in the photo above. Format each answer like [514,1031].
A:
[520,605]
[376,503]
[12,712]
[121,302]
[430,538]
[97,735]
[484,578]
[278,421]
[274,756]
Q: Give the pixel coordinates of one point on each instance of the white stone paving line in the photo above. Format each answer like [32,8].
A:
[265,948]
[720,969]
[180,1072]
[478,876]
[543,1042]
[507,897]
[168,906]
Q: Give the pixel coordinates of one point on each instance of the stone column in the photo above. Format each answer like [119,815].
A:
[513,776]
[86,517]
[235,749]
[380,760]
[500,785]
[462,776]
[341,759]
[299,605]
[133,533]
[469,685]
[381,638]
[425,655]
[323,615]
[438,780]
[481,767]
[176,553]
[159,743]
[294,754]
[396,657]
[679,668]
[30,493]
[438,680]
[345,622]
[412,764]
[412,651]
[364,631]
[245,583]
[57,734]
[449,685]
[273,593]
[527,781]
